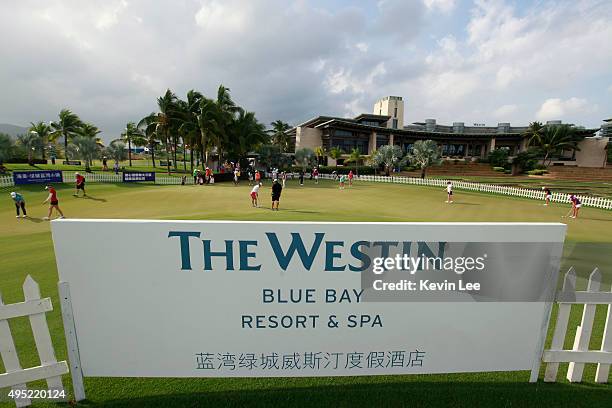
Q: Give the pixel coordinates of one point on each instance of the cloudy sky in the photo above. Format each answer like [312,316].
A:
[454,60]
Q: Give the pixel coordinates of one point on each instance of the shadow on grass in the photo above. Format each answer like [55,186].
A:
[35,220]
[386,394]
[88,197]
[464,203]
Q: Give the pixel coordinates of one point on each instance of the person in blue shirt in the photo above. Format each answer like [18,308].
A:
[19,203]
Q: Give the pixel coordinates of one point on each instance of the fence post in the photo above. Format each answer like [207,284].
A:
[10,358]
[71,341]
[40,330]
[583,332]
[603,370]
[569,285]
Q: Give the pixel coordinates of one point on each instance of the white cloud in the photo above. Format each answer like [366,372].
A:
[556,108]
[445,6]
[109,60]
[361,46]
[110,15]
[504,111]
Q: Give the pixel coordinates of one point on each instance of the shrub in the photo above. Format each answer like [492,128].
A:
[500,169]
[499,157]
[537,172]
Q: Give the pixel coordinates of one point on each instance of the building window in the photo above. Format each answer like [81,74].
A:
[394,124]
[343,133]
[395,112]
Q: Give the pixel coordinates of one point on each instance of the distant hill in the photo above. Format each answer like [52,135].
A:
[12,130]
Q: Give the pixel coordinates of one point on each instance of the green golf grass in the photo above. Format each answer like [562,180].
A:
[27,249]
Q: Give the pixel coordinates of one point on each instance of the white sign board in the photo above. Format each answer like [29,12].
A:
[246,299]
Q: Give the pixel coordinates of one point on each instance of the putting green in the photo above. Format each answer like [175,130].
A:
[27,249]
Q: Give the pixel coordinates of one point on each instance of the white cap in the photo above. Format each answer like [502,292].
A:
[13,194]
[76,174]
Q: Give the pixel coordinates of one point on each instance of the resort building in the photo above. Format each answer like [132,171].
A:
[385,126]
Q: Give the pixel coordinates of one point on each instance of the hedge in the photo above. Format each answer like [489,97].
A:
[25,161]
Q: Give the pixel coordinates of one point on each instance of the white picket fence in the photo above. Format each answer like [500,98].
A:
[589,201]
[49,369]
[580,353]
[6,181]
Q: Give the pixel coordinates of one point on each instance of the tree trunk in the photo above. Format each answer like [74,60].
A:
[130,151]
[42,150]
[66,146]
[423,169]
[184,157]
[153,154]
[191,159]
[175,148]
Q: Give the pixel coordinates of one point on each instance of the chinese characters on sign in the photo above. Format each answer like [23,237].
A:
[309,360]
[133,176]
[34,177]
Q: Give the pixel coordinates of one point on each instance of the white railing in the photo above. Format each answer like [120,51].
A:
[580,353]
[69,177]
[589,201]
[49,369]
[6,181]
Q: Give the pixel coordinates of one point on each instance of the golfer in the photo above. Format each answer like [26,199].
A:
[53,202]
[350,178]
[315,174]
[236,175]
[301,177]
[449,192]
[80,184]
[277,188]
[342,180]
[576,204]
[255,195]
[547,195]
[19,203]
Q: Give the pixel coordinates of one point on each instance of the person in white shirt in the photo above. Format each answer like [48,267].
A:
[449,192]
[255,194]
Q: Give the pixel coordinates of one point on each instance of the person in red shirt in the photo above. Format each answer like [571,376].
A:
[53,202]
[350,178]
[80,184]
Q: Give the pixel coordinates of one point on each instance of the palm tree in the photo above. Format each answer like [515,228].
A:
[246,134]
[67,126]
[355,157]
[42,130]
[534,131]
[116,151]
[335,153]
[85,148]
[132,134]
[425,153]
[320,152]
[226,111]
[279,135]
[189,123]
[162,122]
[553,139]
[389,156]
[30,141]
[210,125]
